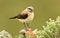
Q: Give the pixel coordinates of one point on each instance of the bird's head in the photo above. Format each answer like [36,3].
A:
[30,9]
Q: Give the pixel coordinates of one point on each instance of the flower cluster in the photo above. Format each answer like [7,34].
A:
[50,30]
[5,34]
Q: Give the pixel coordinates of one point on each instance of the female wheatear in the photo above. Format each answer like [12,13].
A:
[25,16]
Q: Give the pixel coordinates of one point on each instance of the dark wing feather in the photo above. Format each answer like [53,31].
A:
[13,17]
[20,16]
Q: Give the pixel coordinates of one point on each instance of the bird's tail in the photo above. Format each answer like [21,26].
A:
[13,17]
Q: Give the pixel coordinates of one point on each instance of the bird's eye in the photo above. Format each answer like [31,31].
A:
[30,9]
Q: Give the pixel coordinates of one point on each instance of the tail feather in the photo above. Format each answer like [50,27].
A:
[13,17]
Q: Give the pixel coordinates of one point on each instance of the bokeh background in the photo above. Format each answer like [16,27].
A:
[44,9]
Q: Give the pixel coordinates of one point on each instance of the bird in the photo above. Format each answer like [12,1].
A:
[26,16]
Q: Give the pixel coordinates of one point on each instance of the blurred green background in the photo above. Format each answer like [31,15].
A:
[44,9]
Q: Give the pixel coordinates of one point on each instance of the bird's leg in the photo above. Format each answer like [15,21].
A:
[24,24]
[28,25]
[24,35]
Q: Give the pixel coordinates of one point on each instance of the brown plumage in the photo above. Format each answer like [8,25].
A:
[20,16]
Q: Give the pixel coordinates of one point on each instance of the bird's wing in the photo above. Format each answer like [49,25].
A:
[22,16]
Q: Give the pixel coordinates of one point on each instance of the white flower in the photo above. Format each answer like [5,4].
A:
[51,22]
[5,34]
[35,31]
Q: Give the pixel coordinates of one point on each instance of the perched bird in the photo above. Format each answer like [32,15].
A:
[25,16]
